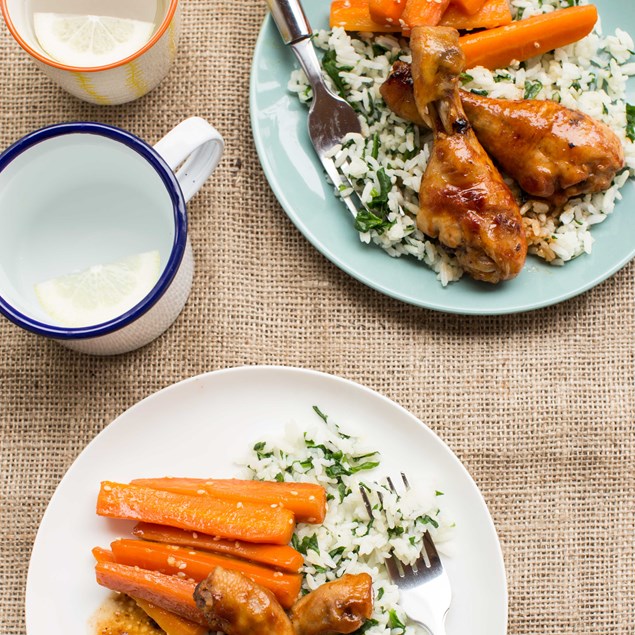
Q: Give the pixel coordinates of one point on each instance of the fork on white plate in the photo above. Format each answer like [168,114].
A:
[424,585]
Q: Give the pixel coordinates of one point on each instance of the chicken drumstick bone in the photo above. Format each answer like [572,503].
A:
[463,200]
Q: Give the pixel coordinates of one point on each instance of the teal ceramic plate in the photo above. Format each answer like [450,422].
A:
[295,175]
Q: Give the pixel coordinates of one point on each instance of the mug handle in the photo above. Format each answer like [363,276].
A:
[197,147]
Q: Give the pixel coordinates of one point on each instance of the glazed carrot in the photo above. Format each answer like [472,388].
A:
[386,12]
[521,40]
[306,500]
[103,555]
[170,623]
[197,565]
[468,6]
[354,15]
[167,591]
[423,12]
[237,521]
[492,14]
[277,556]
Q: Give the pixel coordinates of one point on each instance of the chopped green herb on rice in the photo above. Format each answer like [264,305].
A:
[349,541]
[386,162]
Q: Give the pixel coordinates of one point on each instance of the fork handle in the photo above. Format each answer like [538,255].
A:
[305,52]
[430,625]
[290,20]
[436,629]
[420,610]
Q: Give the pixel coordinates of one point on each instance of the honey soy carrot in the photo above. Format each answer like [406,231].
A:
[386,12]
[523,39]
[280,557]
[205,514]
[354,15]
[172,624]
[470,7]
[197,565]
[103,555]
[307,501]
[423,12]
[171,593]
[492,14]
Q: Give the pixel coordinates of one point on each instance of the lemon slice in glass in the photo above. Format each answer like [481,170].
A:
[90,40]
[100,293]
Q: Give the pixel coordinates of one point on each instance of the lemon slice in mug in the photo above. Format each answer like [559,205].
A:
[99,293]
[90,40]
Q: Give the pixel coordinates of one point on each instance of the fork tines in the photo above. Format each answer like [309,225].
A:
[424,586]
[429,557]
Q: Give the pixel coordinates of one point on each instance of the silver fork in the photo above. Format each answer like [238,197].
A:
[331,118]
[424,586]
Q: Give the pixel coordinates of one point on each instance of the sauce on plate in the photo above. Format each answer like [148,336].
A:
[120,615]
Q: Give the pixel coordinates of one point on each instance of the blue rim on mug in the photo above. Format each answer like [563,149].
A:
[180,228]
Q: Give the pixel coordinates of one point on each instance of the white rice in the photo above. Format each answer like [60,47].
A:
[348,541]
[589,75]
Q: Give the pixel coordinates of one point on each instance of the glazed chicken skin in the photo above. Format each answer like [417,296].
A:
[234,604]
[435,77]
[463,200]
[551,151]
[341,606]
[398,93]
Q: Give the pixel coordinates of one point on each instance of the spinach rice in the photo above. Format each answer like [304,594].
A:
[386,162]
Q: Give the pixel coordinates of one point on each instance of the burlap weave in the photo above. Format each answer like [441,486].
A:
[540,407]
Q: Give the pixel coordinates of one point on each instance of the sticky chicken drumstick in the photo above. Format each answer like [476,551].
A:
[567,152]
[552,152]
[235,605]
[341,606]
[463,200]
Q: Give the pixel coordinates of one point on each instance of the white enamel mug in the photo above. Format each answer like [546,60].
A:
[93,191]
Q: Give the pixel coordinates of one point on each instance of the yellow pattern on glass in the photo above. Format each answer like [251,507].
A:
[134,79]
[87,86]
[172,40]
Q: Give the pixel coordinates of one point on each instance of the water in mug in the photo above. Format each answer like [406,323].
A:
[70,207]
[89,33]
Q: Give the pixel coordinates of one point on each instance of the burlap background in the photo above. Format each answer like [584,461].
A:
[539,407]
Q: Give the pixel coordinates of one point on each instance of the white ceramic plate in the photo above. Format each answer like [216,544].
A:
[198,428]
